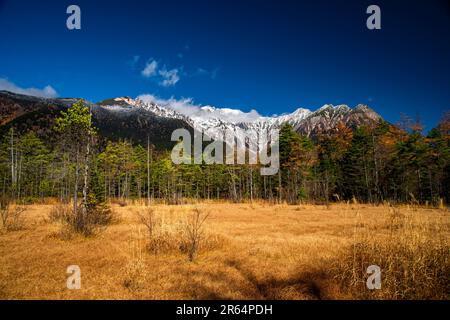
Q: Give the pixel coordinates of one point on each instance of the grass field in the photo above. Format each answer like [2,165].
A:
[246,251]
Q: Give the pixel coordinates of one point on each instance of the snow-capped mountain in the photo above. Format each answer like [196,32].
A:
[214,121]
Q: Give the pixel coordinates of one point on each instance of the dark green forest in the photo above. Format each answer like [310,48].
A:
[372,164]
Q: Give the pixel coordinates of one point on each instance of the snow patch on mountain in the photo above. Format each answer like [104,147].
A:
[200,113]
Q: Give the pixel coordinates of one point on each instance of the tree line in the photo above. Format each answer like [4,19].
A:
[375,163]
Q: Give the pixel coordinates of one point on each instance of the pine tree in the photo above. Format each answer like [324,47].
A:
[77,132]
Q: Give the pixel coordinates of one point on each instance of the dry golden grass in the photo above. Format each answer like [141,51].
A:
[247,251]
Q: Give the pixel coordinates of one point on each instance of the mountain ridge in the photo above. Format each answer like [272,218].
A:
[215,120]
[145,116]
[202,118]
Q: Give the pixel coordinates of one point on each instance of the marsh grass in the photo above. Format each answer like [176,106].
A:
[270,251]
[410,249]
[135,272]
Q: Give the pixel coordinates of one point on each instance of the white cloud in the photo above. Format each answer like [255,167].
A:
[187,107]
[47,92]
[150,69]
[169,78]
[166,78]
[203,72]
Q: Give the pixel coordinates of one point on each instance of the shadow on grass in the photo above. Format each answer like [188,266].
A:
[208,285]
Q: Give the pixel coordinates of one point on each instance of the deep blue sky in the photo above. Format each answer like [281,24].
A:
[273,56]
